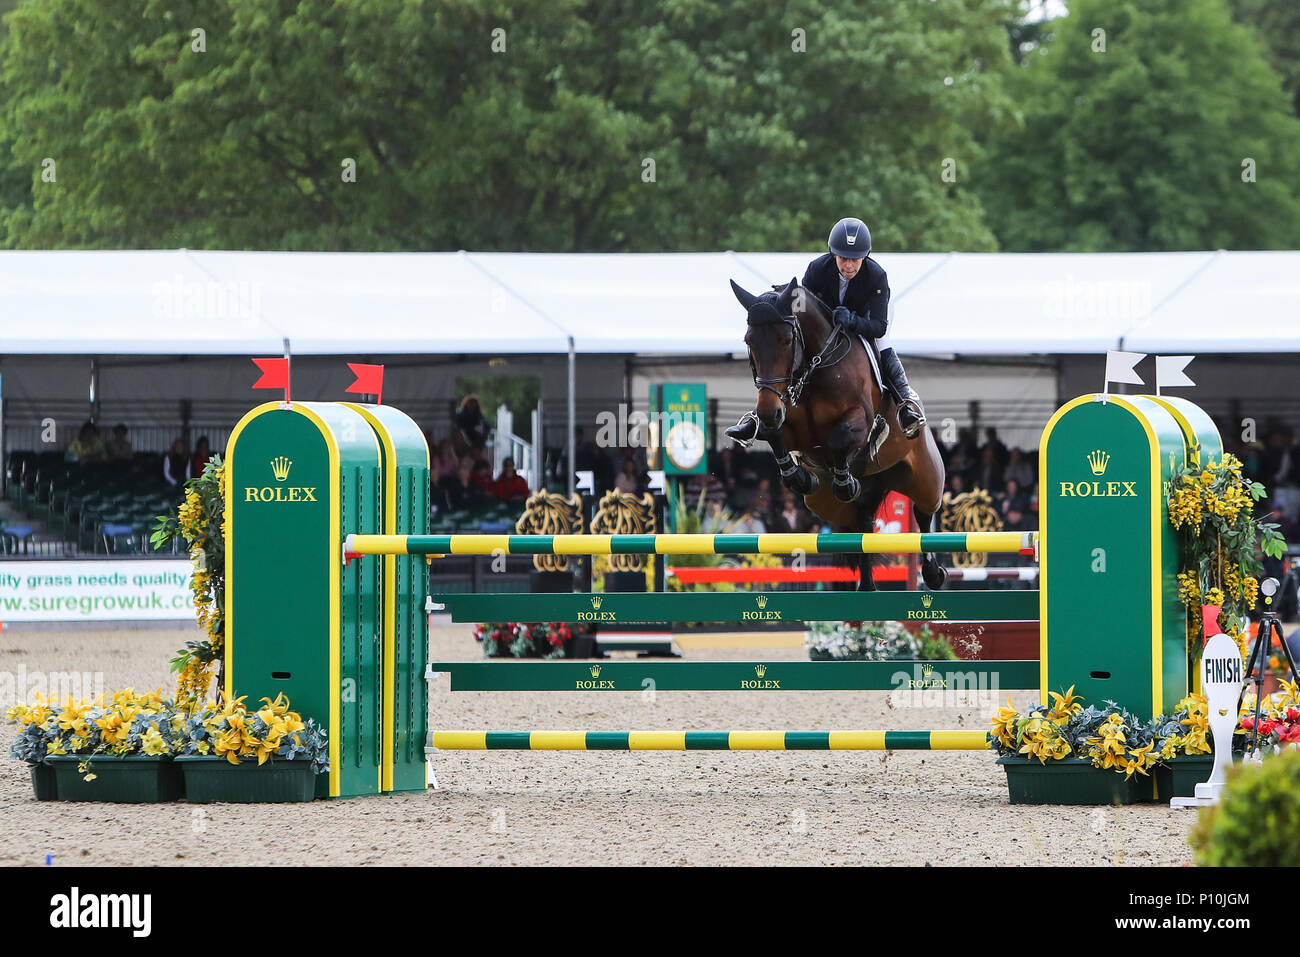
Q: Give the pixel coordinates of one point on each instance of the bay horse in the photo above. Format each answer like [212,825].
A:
[823,412]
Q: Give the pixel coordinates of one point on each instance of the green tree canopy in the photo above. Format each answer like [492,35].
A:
[1142,146]
[541,145]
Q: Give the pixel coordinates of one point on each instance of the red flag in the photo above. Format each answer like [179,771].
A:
[370,381]
[275,375]
[1210,620]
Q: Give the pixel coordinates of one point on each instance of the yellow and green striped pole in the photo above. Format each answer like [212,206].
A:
[905,543]
[709,740]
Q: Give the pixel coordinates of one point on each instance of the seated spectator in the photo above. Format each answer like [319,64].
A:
[119,447]
[628,481]
[445,462]
[87,446]
[458,492]
[202,454]
[989,474]
[511,485]
[176,463]
[956,484]
[1019,469]
[791,518]
[1013,499]
[760,500]
[749,524]
[480,475]
[714,521]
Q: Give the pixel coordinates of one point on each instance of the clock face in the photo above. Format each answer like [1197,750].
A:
[685,445]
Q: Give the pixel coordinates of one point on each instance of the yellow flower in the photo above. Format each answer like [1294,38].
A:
[1064,705]
[153,742]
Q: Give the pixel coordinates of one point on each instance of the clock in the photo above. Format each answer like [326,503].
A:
[685,445]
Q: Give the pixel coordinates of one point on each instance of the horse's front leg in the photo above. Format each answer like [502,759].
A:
[847,436]
[793,475]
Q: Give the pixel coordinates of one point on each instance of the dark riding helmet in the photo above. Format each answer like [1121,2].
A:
[850,238]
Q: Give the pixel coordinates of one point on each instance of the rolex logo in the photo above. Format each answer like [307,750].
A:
[685,395]
[1097,461]
[595,671]
[926,669]
[280,468]
[596,601]
[762,601]
[760,670]
[927,600]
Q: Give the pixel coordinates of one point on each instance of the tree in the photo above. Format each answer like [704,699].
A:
[1277,25]
[1146,137]
[575,125]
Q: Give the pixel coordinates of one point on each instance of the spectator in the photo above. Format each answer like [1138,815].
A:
[727,472]
[628,481]
[445,461]
[480,476]
[989,475]
[1019,469]
[791,518]
[458,492]
[202,453]
[749,524]
[87,446]
[176,463]
[472,423]
[761,501]
[119,447]
[714,521]
[956,484]
[584,452]
[511,485]
[1013,499]
[991,441]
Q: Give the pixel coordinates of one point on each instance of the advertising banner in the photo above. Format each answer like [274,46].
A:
[96,591]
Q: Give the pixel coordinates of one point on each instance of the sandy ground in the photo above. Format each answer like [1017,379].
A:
[660,808]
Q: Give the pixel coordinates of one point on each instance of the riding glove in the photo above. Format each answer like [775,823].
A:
[861,325]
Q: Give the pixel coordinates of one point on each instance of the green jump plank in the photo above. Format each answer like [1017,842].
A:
[740,675]
[742,607]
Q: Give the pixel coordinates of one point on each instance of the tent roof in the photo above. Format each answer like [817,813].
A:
[239,303]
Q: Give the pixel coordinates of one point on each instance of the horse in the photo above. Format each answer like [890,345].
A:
[824,414]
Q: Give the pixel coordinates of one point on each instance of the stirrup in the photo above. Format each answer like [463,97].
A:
[747,418]
[913,406]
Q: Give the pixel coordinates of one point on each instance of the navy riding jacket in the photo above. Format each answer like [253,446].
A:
[867,295]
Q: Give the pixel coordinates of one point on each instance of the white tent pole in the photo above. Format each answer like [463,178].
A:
[573,417]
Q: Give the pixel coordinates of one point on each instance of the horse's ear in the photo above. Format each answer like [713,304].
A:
[746,299]
[787,296]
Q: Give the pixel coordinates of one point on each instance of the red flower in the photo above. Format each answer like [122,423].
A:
[1268,726]
[1292,714]
[1248,722]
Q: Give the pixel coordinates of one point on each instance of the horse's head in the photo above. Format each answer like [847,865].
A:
[775,345]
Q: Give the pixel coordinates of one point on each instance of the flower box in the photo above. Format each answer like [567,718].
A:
[214,780]
[1072,781]
[44,782]
[133,779]
[1180,776]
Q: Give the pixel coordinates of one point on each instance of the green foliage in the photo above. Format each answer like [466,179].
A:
[1277,26]
[1140,147]
[540,147]
[935,647]
[518,393]
[1257,824]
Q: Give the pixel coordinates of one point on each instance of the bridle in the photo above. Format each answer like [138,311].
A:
[800,373]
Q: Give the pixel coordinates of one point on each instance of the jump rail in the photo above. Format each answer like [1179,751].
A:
[871,543]
[709,740]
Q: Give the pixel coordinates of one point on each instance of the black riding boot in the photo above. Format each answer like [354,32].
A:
[911,414]
[745,430]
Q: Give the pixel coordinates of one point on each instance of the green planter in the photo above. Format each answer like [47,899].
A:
[214,780]
[134,779]
[44,782]
[1072,781]
[1179,777]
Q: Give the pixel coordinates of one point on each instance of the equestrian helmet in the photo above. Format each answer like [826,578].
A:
[850,238]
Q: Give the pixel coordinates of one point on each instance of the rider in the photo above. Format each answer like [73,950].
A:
[856,288]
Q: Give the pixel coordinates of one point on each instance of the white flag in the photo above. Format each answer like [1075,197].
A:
[1169,371]
[1119,367]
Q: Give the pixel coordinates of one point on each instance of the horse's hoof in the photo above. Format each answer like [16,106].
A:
[846,491]
[936,578]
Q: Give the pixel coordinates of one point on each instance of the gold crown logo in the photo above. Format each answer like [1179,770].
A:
[280,467]
[762,601]
[927,600]
[685,395]
[1097,461]
[596,600]
[926,669]
[595,671]
[760,670]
